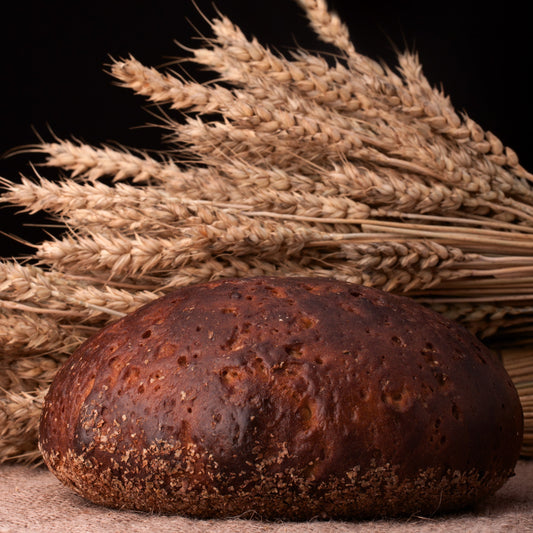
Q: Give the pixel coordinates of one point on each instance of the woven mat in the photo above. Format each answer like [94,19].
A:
[32,500]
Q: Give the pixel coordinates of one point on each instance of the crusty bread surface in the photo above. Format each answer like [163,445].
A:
[283,398]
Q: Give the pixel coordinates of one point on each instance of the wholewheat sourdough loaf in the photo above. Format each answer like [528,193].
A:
[285,398]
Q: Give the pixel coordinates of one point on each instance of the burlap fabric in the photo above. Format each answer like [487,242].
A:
[32,500]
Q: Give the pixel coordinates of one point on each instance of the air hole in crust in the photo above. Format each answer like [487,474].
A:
[258,365]
[456,412]
[277,292]
[305,413]
[311,289]
[428,352]
[130,374]
[230,375]
[113,361]
[294,350]
[305,322]
[232,341]
[146,334]
[397,399]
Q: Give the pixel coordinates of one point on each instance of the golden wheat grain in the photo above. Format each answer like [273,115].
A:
[452,160]
[247,64]
[242,109]
[30,289]
[24,283]
[438,105]
[26,374]
[327,25]
[306,123]
[27,333]
[437,108]
[19,425]
[419,100]
[90,163]
[82,204]
[133,257]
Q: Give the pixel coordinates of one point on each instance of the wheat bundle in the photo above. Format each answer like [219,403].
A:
[280,165]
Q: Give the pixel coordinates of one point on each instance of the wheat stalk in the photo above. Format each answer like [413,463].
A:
[19,424]
[281,165]
[28,333]
[91,163]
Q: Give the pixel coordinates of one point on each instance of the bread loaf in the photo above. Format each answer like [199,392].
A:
[288,398]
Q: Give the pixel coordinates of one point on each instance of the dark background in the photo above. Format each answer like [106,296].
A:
[53,58]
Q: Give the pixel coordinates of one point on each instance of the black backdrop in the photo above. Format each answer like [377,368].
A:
[53,58]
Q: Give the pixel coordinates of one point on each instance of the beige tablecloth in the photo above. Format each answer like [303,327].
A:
[32,500]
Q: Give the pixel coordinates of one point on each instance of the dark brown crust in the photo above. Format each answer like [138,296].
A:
[286,397]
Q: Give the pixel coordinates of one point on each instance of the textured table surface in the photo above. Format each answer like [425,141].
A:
[31,499]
